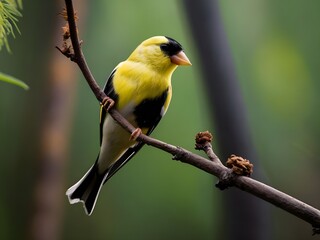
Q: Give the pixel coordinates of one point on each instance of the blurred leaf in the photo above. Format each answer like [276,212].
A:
[13,80]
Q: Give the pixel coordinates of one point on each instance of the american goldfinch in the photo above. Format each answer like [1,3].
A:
[141,90]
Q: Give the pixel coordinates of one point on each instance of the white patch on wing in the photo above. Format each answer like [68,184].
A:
[163,111]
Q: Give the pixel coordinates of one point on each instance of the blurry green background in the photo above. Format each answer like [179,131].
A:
[274,45]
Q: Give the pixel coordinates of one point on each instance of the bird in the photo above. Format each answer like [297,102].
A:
[141,90]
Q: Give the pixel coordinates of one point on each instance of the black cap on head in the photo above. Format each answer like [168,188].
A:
[171,48]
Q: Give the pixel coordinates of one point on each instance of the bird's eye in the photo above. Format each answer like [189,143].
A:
[170,48]
[164,47]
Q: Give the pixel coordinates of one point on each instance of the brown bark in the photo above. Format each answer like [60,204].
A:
[49,192]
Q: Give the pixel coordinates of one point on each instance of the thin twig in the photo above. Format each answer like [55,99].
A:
[263,191]
[78,54]
[203,142]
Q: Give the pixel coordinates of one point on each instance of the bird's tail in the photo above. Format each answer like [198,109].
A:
[86,190]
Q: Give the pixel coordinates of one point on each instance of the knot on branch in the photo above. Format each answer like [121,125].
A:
[225,180]
[202,140]
[239,165]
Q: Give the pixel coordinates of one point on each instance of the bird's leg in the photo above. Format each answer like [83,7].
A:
[135,134]
[107,103]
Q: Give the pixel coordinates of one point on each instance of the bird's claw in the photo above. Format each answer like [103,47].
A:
[135,134]
[107,103]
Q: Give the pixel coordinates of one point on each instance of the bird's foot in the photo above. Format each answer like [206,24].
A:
[135,134]
[107,103]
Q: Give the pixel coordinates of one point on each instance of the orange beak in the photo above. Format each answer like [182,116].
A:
[180,59]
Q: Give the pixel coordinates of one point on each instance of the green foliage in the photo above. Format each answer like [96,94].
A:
[13,80]
[9,13]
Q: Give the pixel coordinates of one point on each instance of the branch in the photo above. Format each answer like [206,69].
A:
[78,56]
[226,176]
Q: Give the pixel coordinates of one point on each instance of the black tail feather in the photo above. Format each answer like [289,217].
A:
[86,190]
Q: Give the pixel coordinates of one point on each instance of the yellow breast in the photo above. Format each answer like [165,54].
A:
[134,82]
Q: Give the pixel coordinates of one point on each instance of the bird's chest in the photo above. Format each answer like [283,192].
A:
[147,113]
[143,95]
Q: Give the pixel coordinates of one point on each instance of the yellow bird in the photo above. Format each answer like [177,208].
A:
[141,90]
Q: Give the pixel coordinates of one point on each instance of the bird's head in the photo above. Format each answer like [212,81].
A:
[161,53]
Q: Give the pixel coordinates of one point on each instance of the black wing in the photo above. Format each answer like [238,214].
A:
[148,115]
